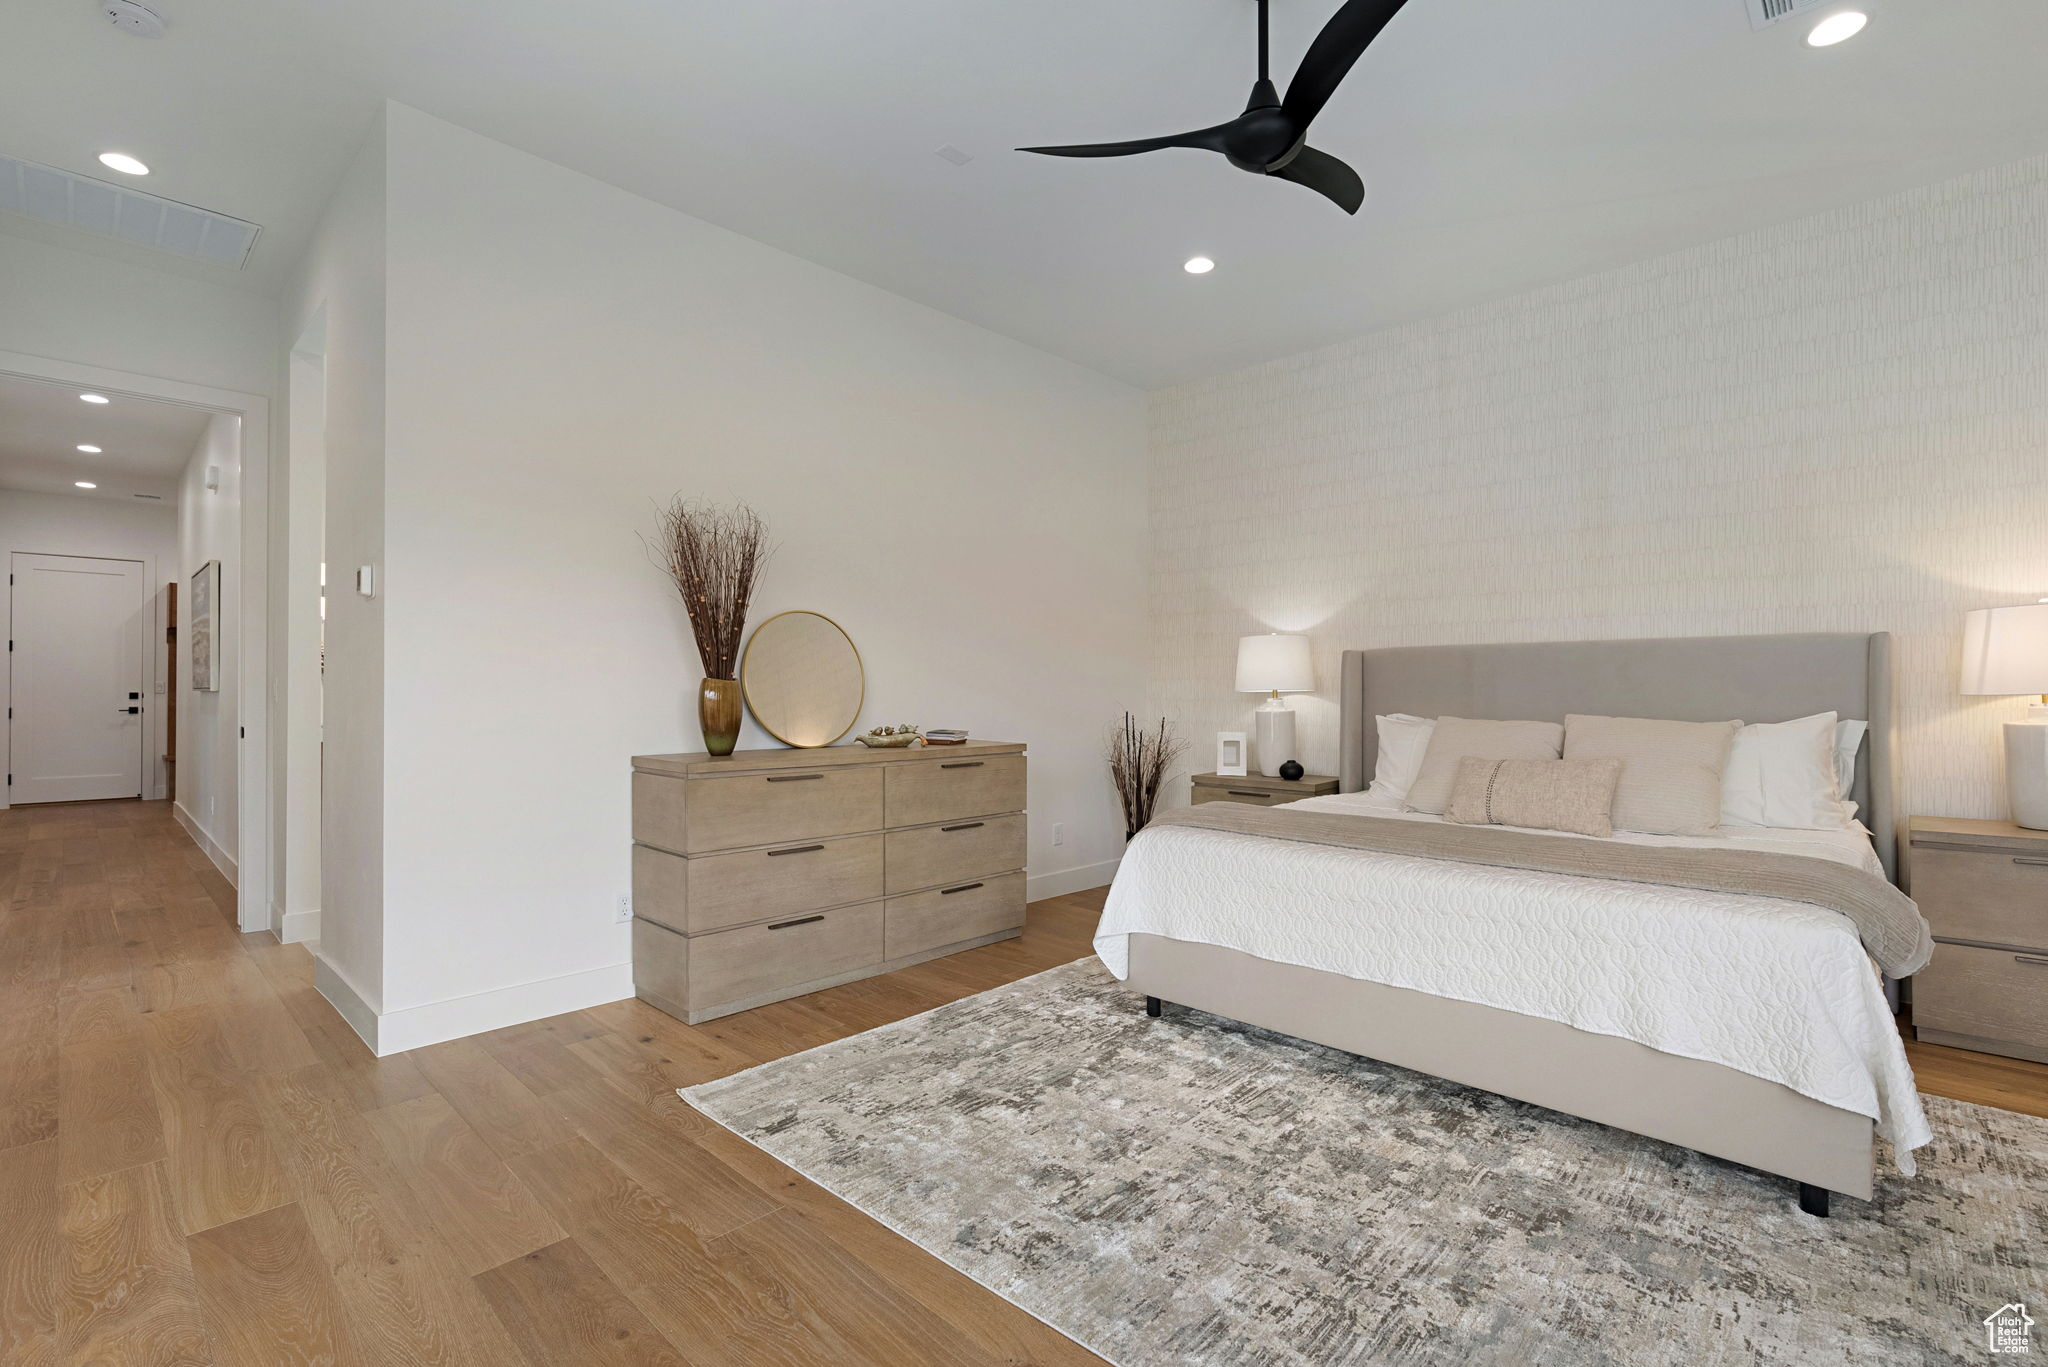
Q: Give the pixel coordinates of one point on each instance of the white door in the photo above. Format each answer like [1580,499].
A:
[77,661]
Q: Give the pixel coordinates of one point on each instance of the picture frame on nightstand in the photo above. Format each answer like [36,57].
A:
[1231,754]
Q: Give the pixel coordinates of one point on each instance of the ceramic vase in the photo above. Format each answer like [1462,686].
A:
[718,713]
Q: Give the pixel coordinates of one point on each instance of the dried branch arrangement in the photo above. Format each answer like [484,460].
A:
[714,554]
[1138,761]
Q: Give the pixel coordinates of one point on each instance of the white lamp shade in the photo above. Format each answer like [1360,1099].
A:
[2005,650]
[1274,664]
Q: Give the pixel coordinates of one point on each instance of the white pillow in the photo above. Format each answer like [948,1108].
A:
[1404,740]
[1782,774]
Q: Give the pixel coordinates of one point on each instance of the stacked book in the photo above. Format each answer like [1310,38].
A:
[945,736]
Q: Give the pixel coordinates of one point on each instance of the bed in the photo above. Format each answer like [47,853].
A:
[1784,1059]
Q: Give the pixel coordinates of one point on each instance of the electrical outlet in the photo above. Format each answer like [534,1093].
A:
[1059,833]
[624,913]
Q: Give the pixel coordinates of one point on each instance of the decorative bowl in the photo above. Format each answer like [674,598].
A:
[895,740]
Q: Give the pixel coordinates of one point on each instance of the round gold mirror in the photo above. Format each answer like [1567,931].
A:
[802,679]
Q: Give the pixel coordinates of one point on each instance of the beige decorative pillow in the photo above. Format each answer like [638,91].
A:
[1457,738]
[1542,794]
[1671,770]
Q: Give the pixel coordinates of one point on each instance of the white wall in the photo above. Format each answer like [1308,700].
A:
[210,528]
[76,307]
[58,524]
[561,355]
[336,306]
[1839,424]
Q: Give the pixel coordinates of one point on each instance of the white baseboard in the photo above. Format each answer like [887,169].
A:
[294,927]
[222,860]
[414,1027]
[1040,886]
[342,995]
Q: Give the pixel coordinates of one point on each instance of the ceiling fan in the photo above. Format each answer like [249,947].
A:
[1271,137]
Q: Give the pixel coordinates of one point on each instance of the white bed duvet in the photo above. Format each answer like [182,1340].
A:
[1779,990]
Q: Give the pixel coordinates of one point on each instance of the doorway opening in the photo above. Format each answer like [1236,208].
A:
[134,525]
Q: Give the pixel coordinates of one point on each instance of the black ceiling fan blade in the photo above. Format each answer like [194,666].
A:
[1205,139]
[1343,40]
[1327,176]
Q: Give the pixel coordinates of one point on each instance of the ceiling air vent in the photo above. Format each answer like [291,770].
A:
[1764,13]
[76,201]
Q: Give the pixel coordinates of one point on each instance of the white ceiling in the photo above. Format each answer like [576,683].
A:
[144,443]
[1504,143]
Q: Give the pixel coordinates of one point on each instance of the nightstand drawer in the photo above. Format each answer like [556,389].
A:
[1998,896]
[1244,795]
[1991,997]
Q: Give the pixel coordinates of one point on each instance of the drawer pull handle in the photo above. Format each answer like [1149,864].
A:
[785,925]
[963,764]
[795,849]
[793,778]
[964,887]
[2038,863]
[964,826]
[2030,959]
[1239,792]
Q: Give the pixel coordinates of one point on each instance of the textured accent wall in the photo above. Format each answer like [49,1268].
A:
[1839,424]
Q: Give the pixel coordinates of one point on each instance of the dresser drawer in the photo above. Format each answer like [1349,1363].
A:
[1244,795]
[953,853]
[1989,995]
[2000,896]
[658,806]
[945,916]
[760,961]
[713,891]
[948,790]
[782,809]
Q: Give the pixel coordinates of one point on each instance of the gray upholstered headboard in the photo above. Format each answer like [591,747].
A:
[1688,678]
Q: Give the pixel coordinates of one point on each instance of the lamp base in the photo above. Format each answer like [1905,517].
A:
[2026,773]
[1273,737]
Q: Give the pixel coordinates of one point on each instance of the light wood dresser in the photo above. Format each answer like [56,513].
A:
[771,873]
[1983,887]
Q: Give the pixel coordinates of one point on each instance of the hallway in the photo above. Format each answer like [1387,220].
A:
[201,1163]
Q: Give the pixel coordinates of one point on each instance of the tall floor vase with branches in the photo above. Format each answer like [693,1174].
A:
[1138,762]
[714,554]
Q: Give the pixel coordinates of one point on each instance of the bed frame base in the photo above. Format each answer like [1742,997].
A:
[1602,1078]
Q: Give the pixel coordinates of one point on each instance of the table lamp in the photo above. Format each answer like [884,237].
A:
[2005,651]
[1274,665]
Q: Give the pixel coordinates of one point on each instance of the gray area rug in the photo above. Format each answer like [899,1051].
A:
[1191,1190]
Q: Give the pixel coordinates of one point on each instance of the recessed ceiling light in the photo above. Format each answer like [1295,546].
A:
[90,450]
[93,398]
[1837,28]
[84,484]
[122,162]
[1198,265]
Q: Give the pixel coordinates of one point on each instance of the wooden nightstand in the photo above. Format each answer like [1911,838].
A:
[1983,886]
[1260,791]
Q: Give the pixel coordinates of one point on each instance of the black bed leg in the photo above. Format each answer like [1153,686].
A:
[1152,1009]
[1813,1200]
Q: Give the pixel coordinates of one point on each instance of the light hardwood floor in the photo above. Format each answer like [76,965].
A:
[199,1163]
